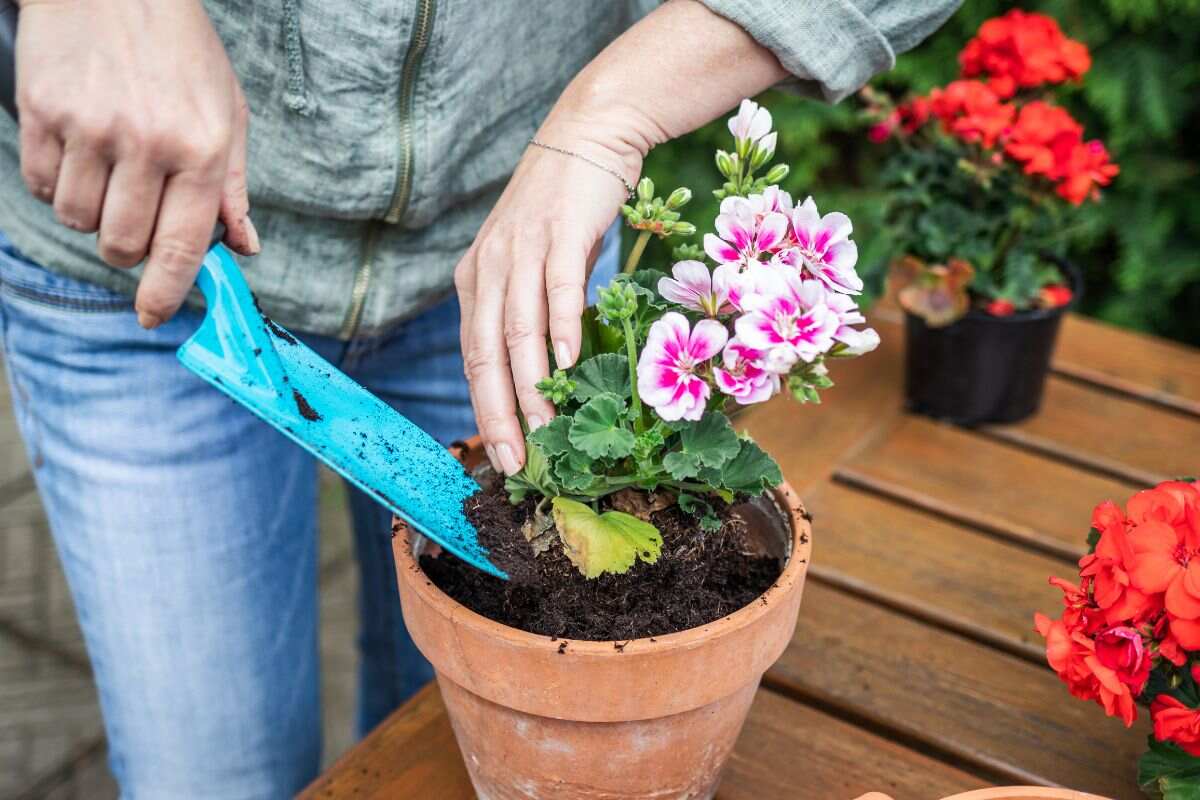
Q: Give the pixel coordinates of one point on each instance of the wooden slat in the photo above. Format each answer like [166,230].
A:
[1154,369]
[959,578]
[809,440]
[993,486]
[786,750]
[1125,438]
[413,753]
[966,700]
[789,750]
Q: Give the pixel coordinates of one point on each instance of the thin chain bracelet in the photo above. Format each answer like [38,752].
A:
[630,191]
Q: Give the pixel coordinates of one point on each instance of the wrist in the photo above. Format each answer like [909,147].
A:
[612,133]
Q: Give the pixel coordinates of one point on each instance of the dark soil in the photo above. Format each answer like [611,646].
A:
[305,409]
[698,578]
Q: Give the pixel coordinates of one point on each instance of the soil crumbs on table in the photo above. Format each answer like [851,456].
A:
[699,577]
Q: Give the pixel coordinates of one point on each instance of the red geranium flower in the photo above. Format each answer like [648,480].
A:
[1165,540]
[1000,308]
[1055,295]
[1042,138]
[1072,655]
[1175,722]
[971,111]
[1021,50]
[1085,168]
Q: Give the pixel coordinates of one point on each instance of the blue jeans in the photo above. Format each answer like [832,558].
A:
[187,531]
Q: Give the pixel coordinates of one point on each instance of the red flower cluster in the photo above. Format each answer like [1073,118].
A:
[1047,141]
[972,111]
[1016,51]
[1136,608]
[1020,51]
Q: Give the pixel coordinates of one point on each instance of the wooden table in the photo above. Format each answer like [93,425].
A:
[915,669]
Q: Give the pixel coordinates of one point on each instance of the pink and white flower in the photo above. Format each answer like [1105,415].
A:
[693,287]
[668,369]
[788,322]
[752,122]
[857,342]
[823,247]
[744,376]
[743,234]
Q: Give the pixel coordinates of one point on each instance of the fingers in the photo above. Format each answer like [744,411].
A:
[185,221]
[487,363]
[79,192]
[566,276]
[129,213]
[525,335]
[240,235]
[41,155]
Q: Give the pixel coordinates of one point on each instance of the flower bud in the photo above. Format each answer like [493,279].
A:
[764,150]
[683,229]
[679,198]
[645,190]
[724,164]
[777,173]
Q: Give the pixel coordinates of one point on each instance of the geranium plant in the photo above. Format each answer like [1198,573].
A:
[643,417]
[985,173]
[1129,632]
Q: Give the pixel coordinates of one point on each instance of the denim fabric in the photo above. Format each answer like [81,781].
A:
[382,131]
[187,531]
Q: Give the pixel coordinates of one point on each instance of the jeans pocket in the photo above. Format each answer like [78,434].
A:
[24,279]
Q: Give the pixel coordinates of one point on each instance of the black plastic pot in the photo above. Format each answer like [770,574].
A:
[982,369]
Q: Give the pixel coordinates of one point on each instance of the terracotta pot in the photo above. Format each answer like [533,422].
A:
[1008,793]
[657,717]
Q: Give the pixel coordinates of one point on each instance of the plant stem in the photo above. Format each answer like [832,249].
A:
[631,352]
[635,255]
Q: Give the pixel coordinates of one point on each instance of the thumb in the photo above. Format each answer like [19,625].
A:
[240,235]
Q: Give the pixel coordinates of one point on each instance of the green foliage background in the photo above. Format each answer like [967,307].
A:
[1139,248]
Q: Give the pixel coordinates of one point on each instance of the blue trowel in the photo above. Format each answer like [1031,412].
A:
[264,367]
[271,372]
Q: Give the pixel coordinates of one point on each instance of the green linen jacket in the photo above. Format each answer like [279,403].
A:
[382,131]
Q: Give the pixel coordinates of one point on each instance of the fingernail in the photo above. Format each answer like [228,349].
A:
[252,236]
[491,454]
[507,462]
[535,421]
[562,354]
[148,321]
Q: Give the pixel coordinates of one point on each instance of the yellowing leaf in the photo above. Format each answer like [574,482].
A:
[608,542]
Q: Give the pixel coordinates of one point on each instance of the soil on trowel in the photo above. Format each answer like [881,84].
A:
[700,576]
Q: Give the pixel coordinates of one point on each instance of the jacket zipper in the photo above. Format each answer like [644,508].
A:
[404,179]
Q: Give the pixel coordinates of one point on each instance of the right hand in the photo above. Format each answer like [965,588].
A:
[133,124]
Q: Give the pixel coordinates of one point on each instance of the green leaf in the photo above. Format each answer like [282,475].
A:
[608,542]
[605,373]
[1167,770]
[534,476]
[598,428]
[710,442]
[682,465]
[552,437]
[751,471]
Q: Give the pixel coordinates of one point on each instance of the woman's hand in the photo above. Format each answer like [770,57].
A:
[133,125]
[524,276]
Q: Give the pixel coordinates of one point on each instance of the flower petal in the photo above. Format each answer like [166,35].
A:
[720,250]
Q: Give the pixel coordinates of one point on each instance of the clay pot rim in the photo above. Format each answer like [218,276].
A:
[794,571]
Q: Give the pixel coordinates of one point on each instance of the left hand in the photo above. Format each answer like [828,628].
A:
[525,276]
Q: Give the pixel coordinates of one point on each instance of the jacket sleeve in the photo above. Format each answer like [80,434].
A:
[833,47]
